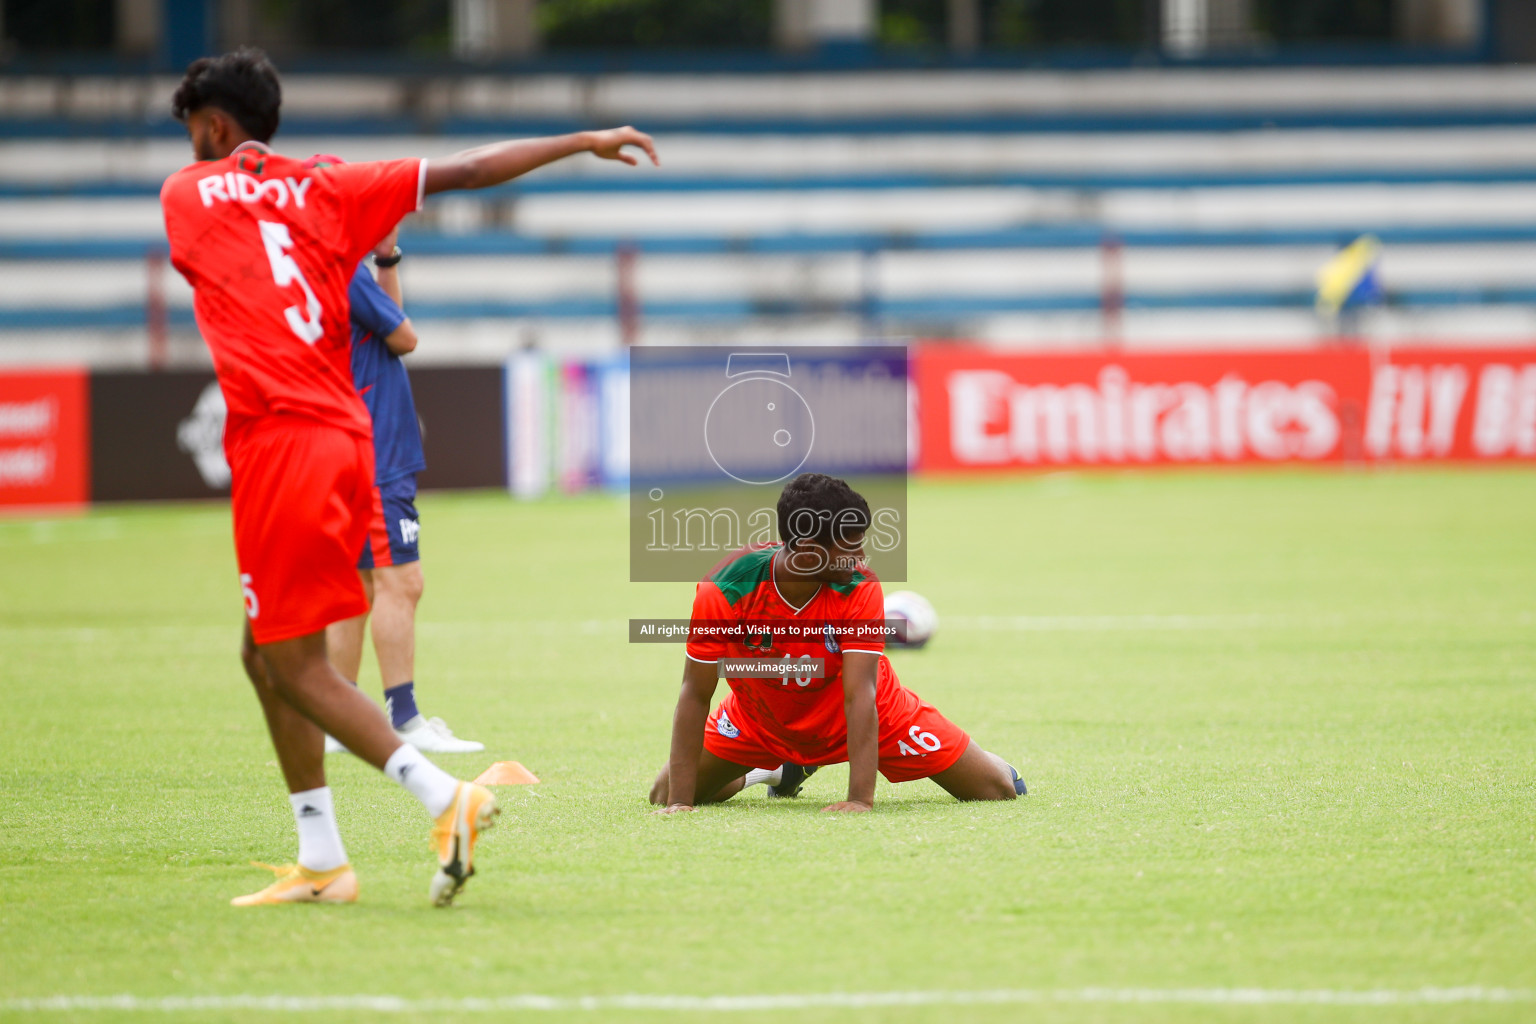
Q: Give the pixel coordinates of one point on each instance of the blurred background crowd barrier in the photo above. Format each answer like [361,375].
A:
[1099,180]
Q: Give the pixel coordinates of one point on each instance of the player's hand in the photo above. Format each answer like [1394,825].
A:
[848,807]
[386,248]
[675,809]
[609,144]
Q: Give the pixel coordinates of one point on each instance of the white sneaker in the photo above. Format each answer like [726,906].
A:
[432,736]
[333,745]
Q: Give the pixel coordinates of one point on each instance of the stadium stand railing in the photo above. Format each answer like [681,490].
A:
[900,201]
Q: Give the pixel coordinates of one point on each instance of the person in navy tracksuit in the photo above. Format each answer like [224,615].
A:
[390,563]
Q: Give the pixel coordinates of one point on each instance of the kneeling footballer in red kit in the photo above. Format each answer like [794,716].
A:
[812,599]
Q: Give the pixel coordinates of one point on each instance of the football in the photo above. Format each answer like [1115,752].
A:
[916,621]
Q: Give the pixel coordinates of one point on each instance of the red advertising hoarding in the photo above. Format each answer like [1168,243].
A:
[980,409]
[44,438]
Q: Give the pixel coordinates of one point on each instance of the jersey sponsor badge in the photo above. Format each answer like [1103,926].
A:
[725,727]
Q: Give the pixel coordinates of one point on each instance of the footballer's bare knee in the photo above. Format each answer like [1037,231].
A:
[255,671]
[1000,788]
[996,784]
[402,582]
[250,660]
[977,775]
[990,787]
[415,584]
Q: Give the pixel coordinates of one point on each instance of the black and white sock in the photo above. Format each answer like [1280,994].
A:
[768,776]
[320,846]
[424,780]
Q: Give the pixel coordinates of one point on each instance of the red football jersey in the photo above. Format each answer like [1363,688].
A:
[269,247]
[801,711]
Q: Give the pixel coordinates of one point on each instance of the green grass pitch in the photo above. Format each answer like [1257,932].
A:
[1279,730]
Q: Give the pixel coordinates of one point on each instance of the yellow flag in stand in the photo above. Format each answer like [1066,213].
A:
[1352,270]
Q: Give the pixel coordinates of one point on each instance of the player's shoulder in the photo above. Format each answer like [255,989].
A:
[743,571]
[344,176]
[863,584]
[281,165]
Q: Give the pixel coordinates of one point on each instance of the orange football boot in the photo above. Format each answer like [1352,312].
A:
[297,884]
[454,835]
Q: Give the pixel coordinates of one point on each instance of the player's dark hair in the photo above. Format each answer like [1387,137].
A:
[814,506]
[242,83]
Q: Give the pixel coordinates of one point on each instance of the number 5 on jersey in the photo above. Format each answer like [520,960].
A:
[285,271]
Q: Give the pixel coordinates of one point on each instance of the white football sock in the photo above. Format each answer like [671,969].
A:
[320,846]
[772,776]
[427,782]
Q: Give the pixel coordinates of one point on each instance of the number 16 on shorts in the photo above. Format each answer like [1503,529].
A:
[927,740]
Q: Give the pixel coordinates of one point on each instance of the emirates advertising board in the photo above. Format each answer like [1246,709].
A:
[44,442]
[981,410]
[67,437]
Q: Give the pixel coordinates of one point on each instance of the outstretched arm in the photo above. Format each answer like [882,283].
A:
[699,681]
[859,671]
[485,166]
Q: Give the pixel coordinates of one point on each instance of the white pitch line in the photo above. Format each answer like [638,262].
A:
[786,1001]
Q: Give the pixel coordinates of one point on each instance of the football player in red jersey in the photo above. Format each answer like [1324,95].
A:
[269,246]
[810,599]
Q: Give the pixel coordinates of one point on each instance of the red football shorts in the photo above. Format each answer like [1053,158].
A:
[916,741]
[302,494]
